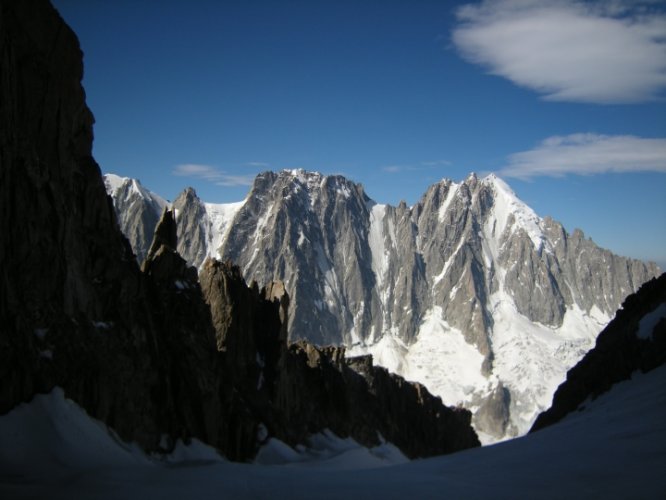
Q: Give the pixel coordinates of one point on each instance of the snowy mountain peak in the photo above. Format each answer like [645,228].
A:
[314,181]
[301,174]
[127,187]
[510,211]
[137,210]
[468,292]
[114,182]
[300,190]
[495,204]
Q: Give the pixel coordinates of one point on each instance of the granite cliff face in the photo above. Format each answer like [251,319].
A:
[468,292]
[137,210]
[634,341]
[156,353]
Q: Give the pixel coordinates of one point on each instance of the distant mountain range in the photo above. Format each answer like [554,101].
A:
[468,291]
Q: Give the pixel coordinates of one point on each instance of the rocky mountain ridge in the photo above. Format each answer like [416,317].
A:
[468,292]
[158,353]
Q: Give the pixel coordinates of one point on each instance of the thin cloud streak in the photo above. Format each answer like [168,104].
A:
[212,175]
[588,154]
[424,165]
[436,163]
[565,50]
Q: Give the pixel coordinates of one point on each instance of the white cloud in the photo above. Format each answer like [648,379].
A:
[424,165]
[588,154]
[568,50]
[436,163]
[213,175]
[259,164]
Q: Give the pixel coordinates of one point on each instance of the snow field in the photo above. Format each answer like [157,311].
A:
[612,449]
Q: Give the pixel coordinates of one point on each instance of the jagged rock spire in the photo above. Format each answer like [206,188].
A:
[165,234]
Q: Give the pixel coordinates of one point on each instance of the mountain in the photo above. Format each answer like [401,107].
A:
[159,353]
[137,210]
[468,291]
[104,365]
[633,342]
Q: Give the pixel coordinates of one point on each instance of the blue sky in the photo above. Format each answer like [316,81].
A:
[563,99]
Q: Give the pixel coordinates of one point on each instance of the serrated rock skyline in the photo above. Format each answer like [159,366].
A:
[468,291]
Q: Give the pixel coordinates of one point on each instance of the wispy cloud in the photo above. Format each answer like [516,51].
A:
[213,175]
[258,164]
[567,50]
[394,169]
[436,163]
[588,154]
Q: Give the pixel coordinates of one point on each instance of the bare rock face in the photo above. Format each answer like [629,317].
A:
[137,209]
[165,234]
[60,237]
[193,227]
[634,340]
[247,323]
[493,414]
[312,233]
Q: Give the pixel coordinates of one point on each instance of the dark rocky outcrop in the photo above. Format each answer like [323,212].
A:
[75,309]
[493,413]
[619,352]
[68,280]
[151,351]
[299,389]
[354,398]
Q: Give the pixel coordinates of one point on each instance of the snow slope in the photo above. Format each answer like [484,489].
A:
[530,359]
[614,448]
[220,216]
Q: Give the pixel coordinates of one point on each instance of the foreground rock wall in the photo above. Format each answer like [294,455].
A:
[75,310]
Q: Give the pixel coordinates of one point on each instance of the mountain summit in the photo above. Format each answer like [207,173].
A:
[468,291]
